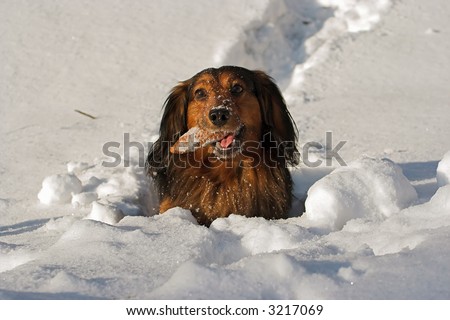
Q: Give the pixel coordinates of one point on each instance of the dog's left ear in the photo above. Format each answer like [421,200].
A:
[279,125]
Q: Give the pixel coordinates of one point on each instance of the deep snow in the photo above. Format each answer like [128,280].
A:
[373,73]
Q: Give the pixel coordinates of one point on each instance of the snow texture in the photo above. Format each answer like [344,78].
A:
[59,188]
[367,188]
[76,224]
[443,171]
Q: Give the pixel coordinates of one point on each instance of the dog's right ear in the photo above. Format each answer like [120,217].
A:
[173,125]
[173,122]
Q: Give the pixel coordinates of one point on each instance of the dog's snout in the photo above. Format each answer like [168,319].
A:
[226,102]
[219,116]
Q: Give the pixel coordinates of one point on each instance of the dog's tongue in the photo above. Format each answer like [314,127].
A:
[227,141]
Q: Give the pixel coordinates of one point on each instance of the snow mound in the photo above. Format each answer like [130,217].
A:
[367,188]
[178,214]
[109,193]
[440,202]
[257,235]
[278,276]
[405,230]
[59,188]
[106,213]
[443,171]
[83,199]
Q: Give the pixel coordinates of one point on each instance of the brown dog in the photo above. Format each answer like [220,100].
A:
[226,139]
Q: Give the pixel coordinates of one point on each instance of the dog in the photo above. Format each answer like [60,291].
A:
[226,142]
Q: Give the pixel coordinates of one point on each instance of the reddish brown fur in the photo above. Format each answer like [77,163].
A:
[256,181]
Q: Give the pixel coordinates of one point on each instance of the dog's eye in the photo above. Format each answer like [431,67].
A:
[236,89]
[200,94]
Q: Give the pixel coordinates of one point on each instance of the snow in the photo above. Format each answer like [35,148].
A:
[105,213]
[367,188]
[83,199]
[59,188]
[76,225]
[443,171]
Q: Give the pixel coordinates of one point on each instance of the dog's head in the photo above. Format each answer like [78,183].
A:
[240,109]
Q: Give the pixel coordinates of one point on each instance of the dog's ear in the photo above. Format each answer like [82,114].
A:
[173,122]
[173,125]
[279,127]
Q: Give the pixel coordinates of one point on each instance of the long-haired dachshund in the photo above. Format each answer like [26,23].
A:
[226,140]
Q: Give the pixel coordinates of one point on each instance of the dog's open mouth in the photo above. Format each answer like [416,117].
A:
[226,144]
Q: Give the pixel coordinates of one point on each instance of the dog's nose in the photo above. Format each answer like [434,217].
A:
[219,116]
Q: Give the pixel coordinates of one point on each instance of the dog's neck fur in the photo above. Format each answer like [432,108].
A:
[240,188]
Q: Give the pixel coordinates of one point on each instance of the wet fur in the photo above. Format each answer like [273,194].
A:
[257,181]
